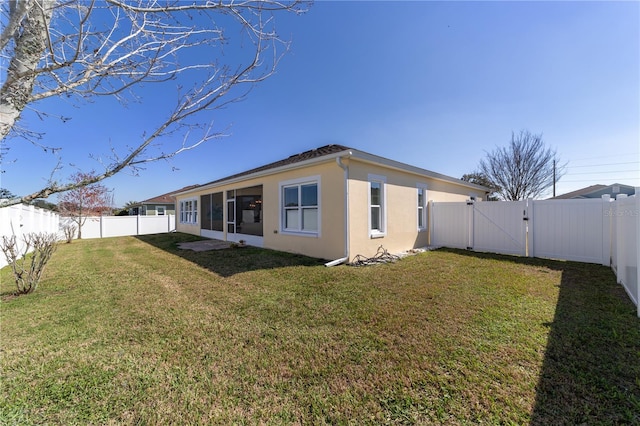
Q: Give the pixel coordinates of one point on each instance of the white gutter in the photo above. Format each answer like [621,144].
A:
[346,213]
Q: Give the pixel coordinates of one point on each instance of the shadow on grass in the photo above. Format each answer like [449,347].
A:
[591,368]
[228,262]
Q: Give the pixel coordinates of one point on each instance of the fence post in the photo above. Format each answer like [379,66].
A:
[470,224]
[621,267]
[530,250]
[138,224]
[607,237]
[636,213]
[429,222]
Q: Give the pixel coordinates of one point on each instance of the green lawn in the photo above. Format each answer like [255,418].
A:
[135,331]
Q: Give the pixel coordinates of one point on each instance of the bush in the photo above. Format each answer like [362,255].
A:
[69,232]
[27,271]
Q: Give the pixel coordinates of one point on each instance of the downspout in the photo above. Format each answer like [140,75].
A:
[346,213]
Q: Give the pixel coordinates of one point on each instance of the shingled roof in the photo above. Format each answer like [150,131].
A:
[333,151]
[168,198]
[597,191]
[297,158]
[580,193]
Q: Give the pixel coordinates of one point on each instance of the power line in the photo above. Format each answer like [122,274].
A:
[604,171]
[606,156]
[561,181]
[607,164]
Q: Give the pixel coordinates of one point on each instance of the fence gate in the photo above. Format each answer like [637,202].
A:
[500,227]
[490,227]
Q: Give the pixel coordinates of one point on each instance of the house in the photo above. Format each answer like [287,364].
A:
[332,202]
[157,206]
[597,191]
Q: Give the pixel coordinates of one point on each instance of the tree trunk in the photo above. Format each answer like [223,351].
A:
[30,45]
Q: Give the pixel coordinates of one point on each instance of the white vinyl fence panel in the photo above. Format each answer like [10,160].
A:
[114,226]
[121,226]
[453,225]
[577,230]
[626,215]
[21,219]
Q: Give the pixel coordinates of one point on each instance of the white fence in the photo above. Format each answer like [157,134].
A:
[120,226]
[625,253]
[21,219]
[590,230]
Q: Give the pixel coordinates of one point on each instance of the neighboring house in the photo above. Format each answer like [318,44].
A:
[332,202]
[157,206]
[597,191]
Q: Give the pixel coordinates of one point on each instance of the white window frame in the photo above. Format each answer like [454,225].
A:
[164,210]
[309,180]
[421,209]
[189,211]
[377,233]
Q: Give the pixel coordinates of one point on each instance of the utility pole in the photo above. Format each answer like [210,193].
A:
[554,177]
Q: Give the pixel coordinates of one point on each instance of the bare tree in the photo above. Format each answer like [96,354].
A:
[524,169]
[82,49]
[84,201]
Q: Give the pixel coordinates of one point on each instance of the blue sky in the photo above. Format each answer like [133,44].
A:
[432,84]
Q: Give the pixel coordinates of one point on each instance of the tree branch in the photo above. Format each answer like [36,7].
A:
[95,49]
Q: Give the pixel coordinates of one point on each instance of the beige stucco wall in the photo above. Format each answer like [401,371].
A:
[328,244]
[401,208]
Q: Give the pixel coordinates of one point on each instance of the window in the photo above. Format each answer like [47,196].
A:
[212,210]
[377,207]
[217,209]
[300,208]
[422,210]
[189,211]
[160,210]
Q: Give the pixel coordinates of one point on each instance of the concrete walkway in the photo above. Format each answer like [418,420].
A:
[205,245]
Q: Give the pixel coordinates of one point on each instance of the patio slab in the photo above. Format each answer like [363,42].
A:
[205,245]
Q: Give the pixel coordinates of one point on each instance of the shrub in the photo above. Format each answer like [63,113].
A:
[27,270]
[69,232]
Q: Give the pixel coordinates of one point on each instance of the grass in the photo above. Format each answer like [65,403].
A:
[134,331]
